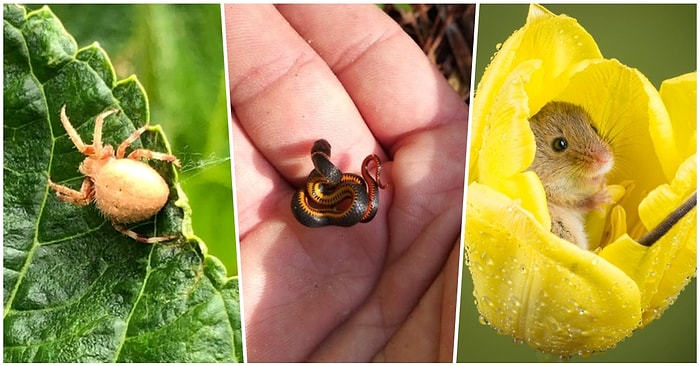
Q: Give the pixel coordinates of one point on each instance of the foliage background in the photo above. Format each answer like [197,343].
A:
[660,41]
[176,51]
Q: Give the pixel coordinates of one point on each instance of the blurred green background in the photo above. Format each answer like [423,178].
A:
[660,41]
[176,51]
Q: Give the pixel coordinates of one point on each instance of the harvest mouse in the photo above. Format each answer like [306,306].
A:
[571,160]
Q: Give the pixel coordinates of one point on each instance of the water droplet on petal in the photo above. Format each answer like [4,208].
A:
[483,320]
[514,300]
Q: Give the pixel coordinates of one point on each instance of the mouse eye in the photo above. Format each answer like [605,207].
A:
[559,144]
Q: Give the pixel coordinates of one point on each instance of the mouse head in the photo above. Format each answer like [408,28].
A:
[571,157]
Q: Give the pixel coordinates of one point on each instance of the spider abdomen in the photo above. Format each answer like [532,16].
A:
[128,191]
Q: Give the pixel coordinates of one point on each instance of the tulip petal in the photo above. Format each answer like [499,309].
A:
[678,140]
[566,43]
[663,270]
[533,286]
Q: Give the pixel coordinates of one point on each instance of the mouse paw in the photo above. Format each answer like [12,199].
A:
[599,200]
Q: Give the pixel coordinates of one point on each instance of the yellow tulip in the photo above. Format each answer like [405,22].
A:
[532,285]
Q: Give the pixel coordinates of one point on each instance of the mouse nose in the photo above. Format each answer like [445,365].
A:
[603,158]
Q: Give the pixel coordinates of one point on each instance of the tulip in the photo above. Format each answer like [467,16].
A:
[530,284]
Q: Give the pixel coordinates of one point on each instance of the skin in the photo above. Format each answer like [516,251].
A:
[384,290]
[573,176]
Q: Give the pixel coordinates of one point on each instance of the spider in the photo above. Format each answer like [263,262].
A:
[125,189]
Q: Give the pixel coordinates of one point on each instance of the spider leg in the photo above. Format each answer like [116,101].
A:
[121,149]
[81,198]
[72,133]
[138,237]
[148,154]
[97,135]
[96,145]
[143,153]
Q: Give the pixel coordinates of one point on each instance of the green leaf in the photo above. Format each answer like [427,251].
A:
[75,289]
[183,72]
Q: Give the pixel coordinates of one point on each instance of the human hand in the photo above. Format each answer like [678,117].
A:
[384,290]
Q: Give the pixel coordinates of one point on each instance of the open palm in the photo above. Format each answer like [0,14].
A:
[384,290]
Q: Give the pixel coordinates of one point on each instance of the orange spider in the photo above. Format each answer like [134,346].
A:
[125,190]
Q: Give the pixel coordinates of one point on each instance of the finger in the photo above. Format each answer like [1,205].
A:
[427,335]
[401,286]
[394,85]
[258,186]
[286,97]
[428,178]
